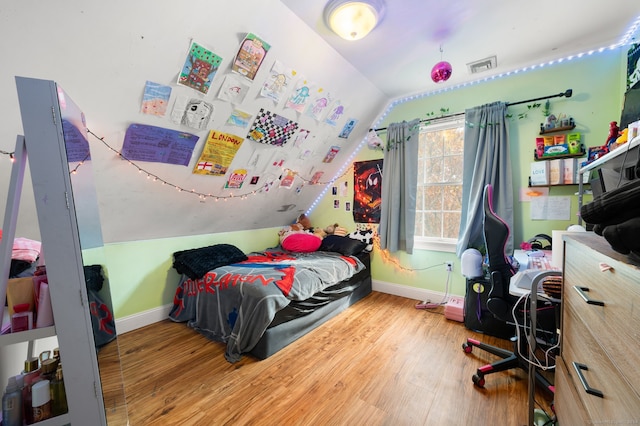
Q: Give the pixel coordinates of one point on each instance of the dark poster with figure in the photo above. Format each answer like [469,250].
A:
[367,191]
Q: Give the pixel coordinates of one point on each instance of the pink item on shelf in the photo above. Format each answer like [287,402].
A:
[26,249]
[44,318]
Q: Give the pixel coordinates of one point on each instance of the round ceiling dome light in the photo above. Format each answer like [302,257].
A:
[353,20]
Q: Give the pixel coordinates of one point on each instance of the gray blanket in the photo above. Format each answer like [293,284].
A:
[236,303]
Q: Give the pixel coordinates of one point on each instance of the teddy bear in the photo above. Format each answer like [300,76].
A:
[336,229]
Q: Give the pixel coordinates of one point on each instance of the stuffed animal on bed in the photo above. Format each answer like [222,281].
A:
[336,229]
[300,236]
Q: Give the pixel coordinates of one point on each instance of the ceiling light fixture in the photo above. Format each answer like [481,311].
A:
[353,20]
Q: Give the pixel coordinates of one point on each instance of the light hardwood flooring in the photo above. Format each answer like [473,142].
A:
[381,362]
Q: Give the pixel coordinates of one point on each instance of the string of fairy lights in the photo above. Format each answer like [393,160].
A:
[202,195]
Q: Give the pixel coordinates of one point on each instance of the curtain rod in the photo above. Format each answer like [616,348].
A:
[567,93]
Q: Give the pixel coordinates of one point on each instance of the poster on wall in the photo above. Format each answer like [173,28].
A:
[250,56]
[348,128]
[276,84]
[300,96]
[217,153]
[331,154]
[157,144]
[192,112]
[239,118]
[199,68]
[155,99]
[272,129]
[233,89]
[367,191]
[318,106]
[236,179]
[335,113]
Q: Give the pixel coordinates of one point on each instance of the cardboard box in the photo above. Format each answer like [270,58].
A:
[559,149]
[555,171]
[539,173]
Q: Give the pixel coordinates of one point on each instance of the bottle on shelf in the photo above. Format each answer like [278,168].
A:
[41,400]
[22,319]
[31,375]
[58,394]
[12,404]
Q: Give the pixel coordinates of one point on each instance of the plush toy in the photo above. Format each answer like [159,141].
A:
[614,132]
[336,229]
[304,221]
[623,138]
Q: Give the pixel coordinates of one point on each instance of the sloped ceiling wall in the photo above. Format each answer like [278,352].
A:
[102,54]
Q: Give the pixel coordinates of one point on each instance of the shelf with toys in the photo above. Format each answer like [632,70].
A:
[567,128]
[557,156]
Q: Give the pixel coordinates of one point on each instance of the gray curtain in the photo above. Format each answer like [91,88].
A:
[486,160]
[399,185]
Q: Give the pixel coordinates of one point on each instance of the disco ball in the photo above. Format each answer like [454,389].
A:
[441,72]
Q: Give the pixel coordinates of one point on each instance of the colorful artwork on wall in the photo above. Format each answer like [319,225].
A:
[335,113]
[318,106]
[348,128]
[250,56]
[272,129]
[192,112]
[300,96]
[233,89]
[155,99]
[278,81]
[199,68]
[331,154]
[367,191]
[157,144]
[217,153]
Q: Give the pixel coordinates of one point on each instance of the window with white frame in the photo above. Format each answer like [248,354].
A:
[439,192]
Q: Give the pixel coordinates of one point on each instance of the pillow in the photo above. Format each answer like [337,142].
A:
[365,236]
[195,263]
[343,245]
[301,242]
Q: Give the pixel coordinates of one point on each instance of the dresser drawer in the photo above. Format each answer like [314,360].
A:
[617,323]
[568,405]
[620,401]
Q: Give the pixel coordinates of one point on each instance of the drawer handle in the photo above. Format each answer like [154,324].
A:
[581,291]
[579,367]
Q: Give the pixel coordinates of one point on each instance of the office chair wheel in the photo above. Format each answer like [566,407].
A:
[467,348]
[478,381]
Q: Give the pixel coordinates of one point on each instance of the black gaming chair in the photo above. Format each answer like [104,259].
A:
[500,303]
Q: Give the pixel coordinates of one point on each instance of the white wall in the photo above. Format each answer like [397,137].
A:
[102,53]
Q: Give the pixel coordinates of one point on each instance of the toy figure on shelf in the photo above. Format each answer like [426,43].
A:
[614,133]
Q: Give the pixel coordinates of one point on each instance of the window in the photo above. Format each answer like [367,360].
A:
[439,192]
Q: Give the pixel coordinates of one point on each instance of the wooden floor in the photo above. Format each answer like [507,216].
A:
[382,362]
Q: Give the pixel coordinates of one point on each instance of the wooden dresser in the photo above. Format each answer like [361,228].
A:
[598,373]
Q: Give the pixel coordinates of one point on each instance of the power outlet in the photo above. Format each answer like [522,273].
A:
[449,266]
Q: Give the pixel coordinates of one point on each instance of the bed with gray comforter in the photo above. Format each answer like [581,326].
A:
[266,301]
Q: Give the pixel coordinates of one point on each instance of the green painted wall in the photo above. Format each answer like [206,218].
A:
[598,87]
[141,275]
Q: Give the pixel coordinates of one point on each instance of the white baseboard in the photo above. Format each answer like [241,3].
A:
[415,293]
[142,319]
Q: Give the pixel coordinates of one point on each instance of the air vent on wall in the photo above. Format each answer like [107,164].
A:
[483,65]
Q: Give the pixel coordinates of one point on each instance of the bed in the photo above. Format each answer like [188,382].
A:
[260,302]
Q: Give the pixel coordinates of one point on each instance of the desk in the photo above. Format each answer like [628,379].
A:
[528,262]
[543,264]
